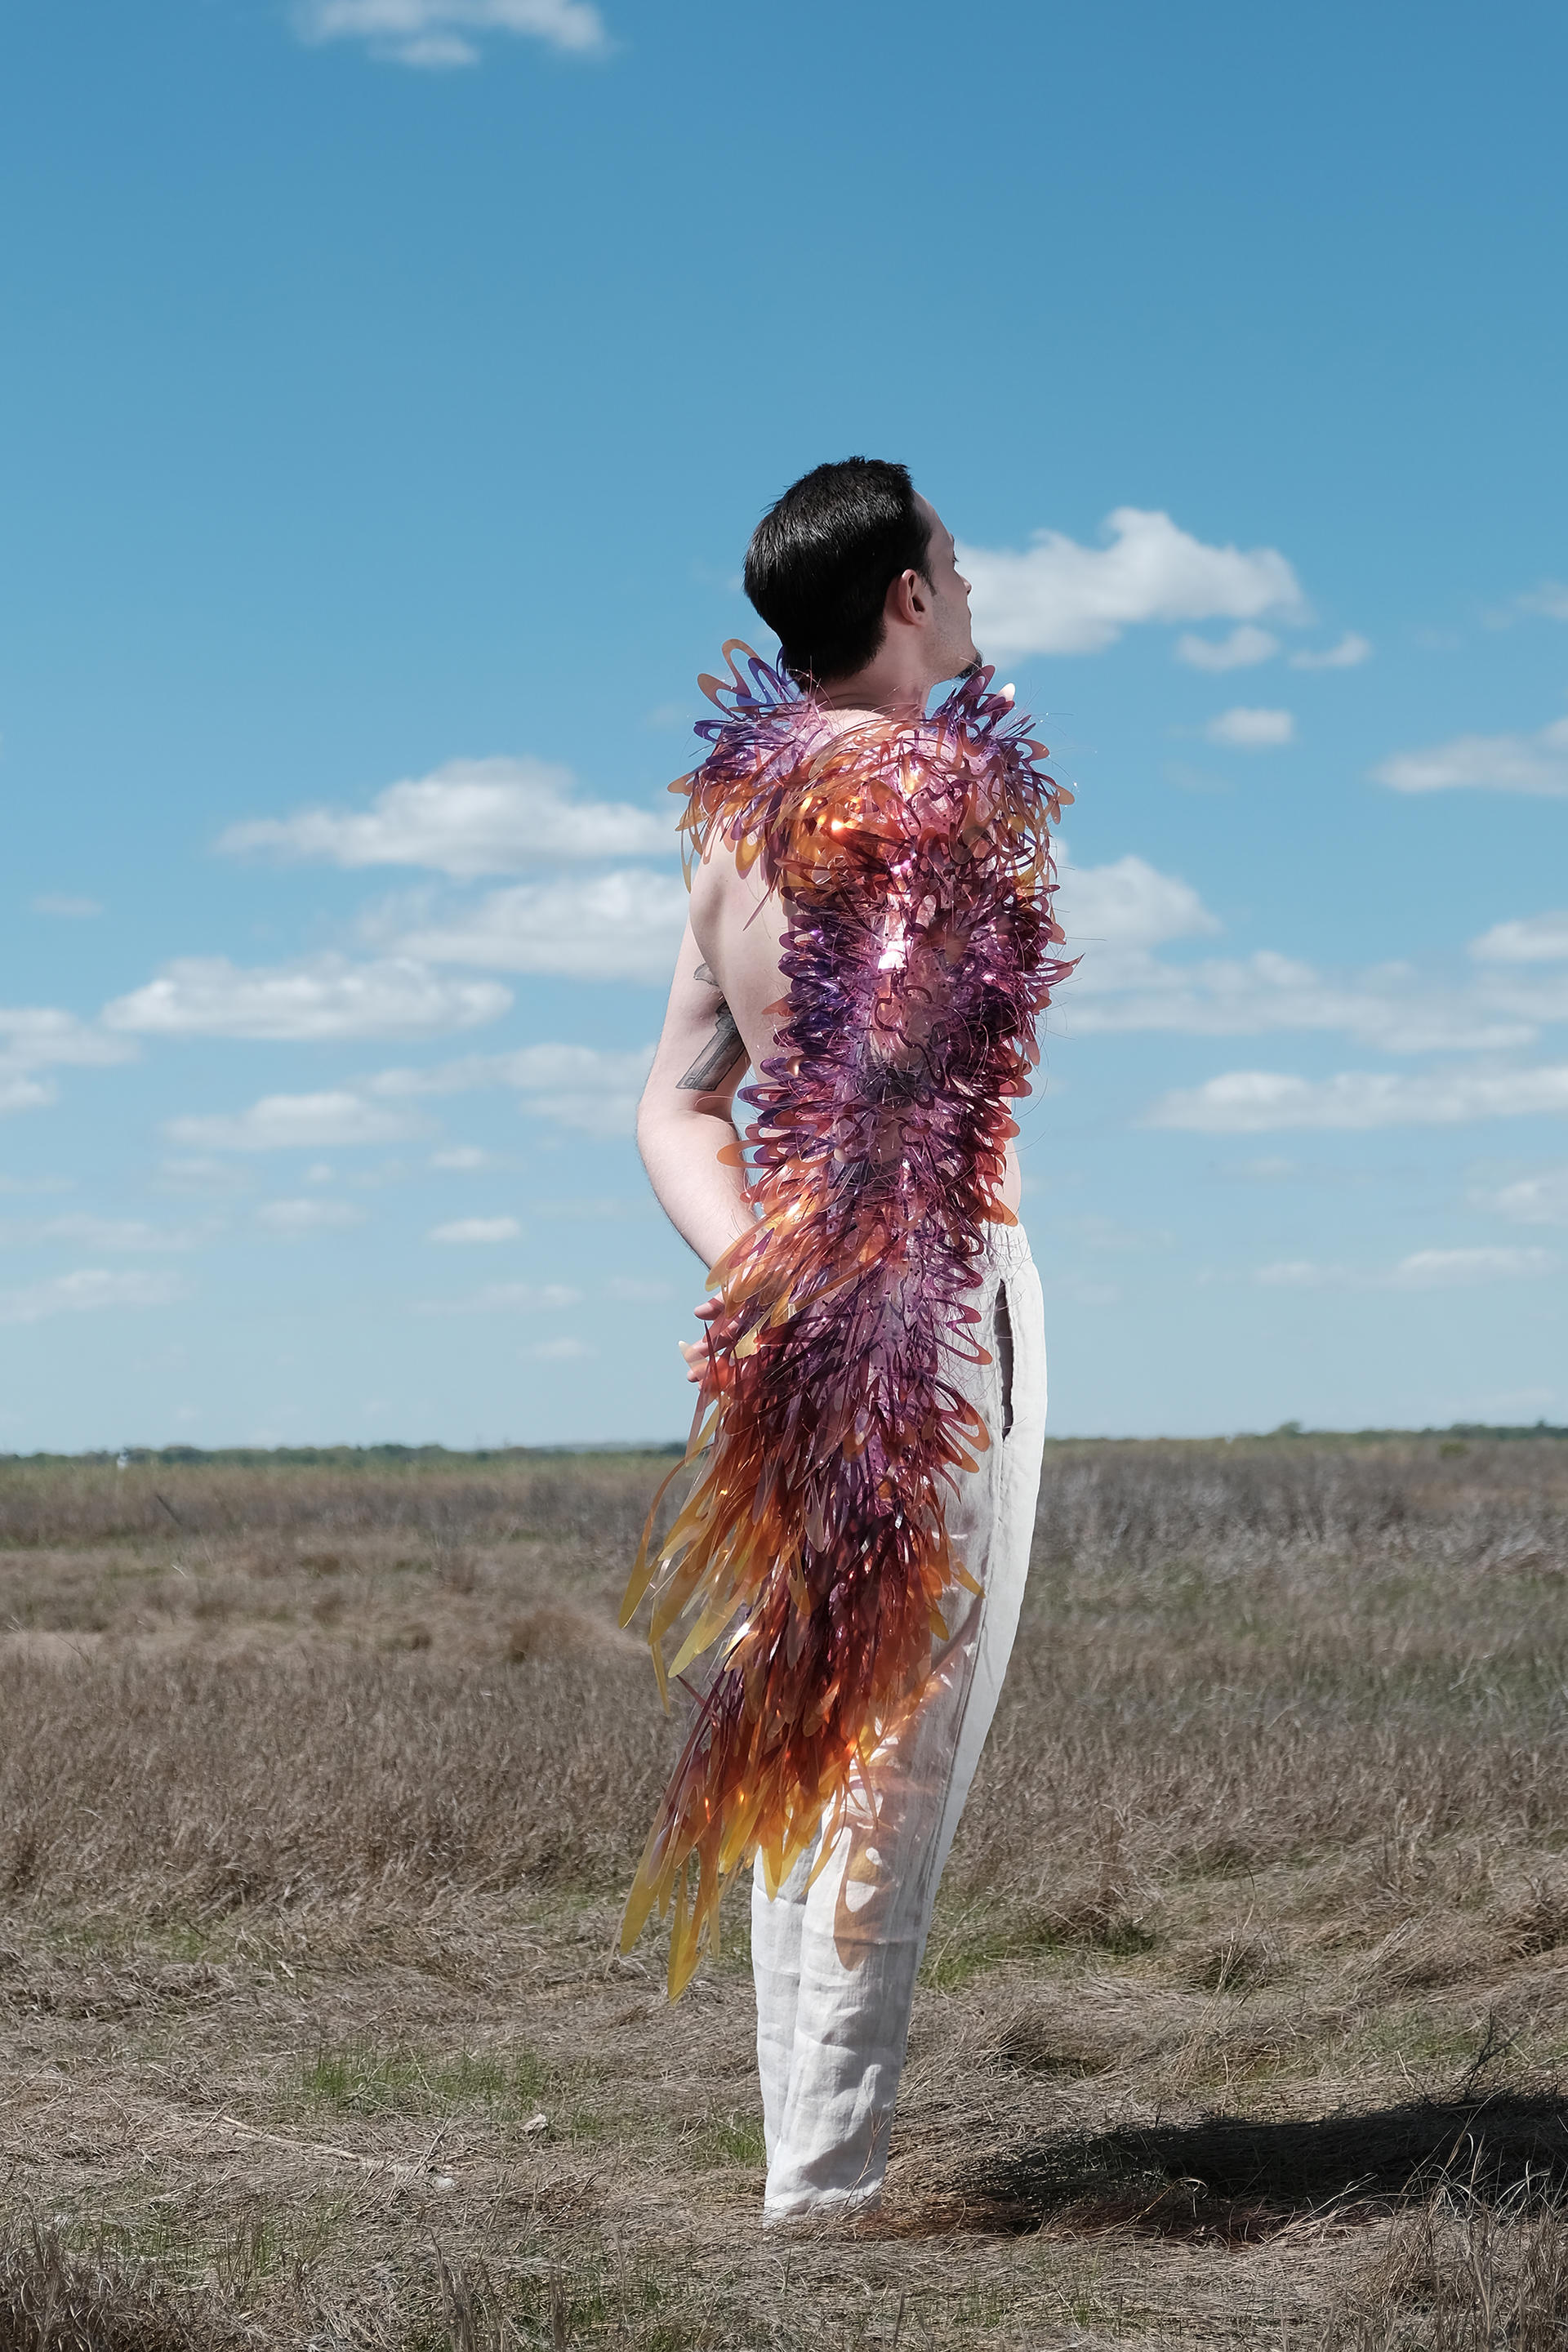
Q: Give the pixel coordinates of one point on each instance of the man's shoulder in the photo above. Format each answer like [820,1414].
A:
[720,886]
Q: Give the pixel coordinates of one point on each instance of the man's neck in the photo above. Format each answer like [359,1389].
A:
[895,689]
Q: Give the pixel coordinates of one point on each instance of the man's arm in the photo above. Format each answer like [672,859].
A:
[683,1120]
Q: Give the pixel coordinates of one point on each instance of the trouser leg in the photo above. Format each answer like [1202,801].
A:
[777,1926]
[1012,1540]
[835,1960]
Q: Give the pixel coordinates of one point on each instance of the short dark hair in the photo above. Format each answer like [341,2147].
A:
[823,558]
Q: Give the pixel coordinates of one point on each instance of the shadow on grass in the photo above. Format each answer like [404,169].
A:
[1234,2180]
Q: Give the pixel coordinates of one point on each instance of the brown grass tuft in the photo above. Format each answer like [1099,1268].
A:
[56,2299]
[1457,2275]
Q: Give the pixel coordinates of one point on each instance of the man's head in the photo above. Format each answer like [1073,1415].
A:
[850,553]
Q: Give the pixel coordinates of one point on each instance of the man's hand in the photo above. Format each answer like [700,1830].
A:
[696,1351]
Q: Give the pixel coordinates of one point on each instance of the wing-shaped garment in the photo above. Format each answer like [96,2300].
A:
[913,864]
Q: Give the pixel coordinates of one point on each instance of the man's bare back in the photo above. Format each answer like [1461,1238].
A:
[738,926]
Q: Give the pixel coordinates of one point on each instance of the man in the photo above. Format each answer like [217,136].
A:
[869,930]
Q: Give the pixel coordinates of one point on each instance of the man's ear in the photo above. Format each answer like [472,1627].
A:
[908,600]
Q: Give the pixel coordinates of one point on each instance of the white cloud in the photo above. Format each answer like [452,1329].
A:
[294,1219]
[54,902]
[319,998]
[1249,996]
[294,1122]
[1349,653]
[471,817]
[509,1298]
[1535,1000]
[200,1176]
[1510,947]
[1434,1269]
[1057,598]
[625,925]
[1251,730]
[1549,600]
[465,1158]
[477,1229]
[434,51]
[1531,939]
[1254,1102]
[32,1035]
[118,1233]
[586,1087]
[1127,906]
[1115,916]
[436,33]
[1245,646]
[1297,1274]
[1431,1269]
[84,1292]
[1537,764]
[1539,1200]
[559,1351]
[633,1288]
[24,1094]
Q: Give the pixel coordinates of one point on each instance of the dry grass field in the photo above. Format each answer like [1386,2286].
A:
[1243,2021]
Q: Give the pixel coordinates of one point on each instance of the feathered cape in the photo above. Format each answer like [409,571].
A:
[913,863]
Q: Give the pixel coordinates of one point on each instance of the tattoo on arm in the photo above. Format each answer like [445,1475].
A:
[722,1054]
[717,1059]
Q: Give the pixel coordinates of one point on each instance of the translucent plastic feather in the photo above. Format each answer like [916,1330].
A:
[912,860]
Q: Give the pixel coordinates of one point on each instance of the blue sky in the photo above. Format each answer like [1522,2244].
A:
[391,388]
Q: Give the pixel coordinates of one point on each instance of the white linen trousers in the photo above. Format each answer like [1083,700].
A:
[835,1961]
